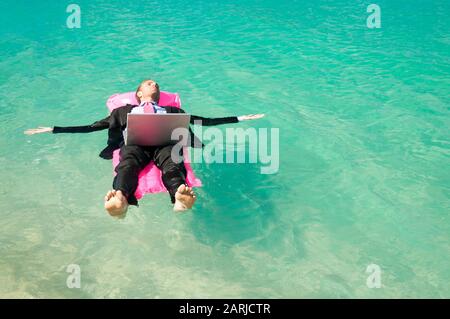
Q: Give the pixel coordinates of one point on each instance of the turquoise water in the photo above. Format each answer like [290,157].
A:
[364,123]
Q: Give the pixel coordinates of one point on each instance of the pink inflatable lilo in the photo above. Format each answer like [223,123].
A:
[150,180]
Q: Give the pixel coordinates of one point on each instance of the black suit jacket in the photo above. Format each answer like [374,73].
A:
[116,122]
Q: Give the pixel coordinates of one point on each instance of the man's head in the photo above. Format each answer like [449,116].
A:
[148,91]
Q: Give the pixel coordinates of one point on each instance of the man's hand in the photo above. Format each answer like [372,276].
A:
[250,117]
[38,130]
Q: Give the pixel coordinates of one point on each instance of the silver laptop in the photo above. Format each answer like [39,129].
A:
[154,129]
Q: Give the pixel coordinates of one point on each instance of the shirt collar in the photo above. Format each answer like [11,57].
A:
[152,102]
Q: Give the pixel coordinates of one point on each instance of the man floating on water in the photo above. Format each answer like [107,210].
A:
[134,158]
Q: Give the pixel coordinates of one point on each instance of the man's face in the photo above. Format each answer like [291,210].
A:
[149,88]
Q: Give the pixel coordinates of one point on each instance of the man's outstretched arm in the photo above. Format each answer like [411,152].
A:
[96,126]
[206,121]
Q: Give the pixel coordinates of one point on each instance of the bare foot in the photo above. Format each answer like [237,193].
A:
[184,198]
[116,203]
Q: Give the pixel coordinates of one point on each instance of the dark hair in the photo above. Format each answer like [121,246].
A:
[137,90]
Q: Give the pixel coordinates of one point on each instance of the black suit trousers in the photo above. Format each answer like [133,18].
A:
[133,160]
